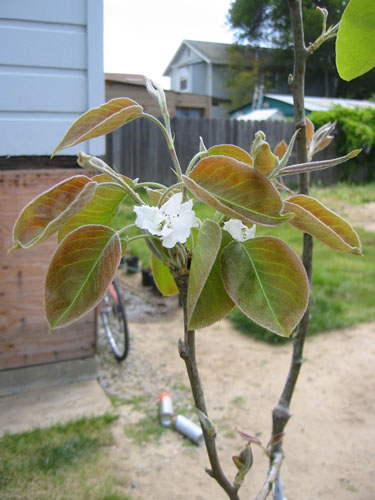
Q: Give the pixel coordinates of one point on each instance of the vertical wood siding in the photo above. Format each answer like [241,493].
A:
[24,338]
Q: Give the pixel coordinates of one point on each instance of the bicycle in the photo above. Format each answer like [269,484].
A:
[111,310]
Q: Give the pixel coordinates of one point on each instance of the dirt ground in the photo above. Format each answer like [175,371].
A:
[329,439]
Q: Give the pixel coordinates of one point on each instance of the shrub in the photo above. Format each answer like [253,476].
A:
[355,129]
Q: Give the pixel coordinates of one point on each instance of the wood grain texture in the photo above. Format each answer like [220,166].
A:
[24,338]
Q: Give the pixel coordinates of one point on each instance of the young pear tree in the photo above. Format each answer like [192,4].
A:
[215,264]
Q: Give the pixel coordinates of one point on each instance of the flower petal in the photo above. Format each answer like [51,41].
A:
[149,218]
[238,230]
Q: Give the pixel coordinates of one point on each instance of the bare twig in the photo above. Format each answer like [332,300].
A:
[281,413]
[187,353]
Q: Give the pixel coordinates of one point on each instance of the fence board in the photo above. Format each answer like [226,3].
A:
[139,150]
[24,338]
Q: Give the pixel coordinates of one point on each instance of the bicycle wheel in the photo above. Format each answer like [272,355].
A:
[112,312]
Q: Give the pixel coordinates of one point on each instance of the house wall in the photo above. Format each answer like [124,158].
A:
[199,78]
[24,338]
[174,99]
[51,71]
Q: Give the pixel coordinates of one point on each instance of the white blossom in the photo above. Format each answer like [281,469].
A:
[238,230]
[172,221]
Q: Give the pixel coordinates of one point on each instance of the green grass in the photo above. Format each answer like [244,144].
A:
[146,430]
[342,287]
[355,194]
[60,462]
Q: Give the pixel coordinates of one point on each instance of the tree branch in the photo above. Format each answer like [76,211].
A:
[187,353]
[281,413]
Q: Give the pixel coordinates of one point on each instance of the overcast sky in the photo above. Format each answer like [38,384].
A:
[142,36]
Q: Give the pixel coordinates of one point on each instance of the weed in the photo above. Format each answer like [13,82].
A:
[238,401]
[146,430]
[181,386]
[137,401]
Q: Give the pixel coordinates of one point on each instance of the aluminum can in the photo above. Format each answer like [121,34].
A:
[165,409]
[189,429]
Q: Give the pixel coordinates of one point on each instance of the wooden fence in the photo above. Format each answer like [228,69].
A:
[139,150]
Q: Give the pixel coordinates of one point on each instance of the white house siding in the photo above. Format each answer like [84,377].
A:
[51,71]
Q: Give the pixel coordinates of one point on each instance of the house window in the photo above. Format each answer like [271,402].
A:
[183,79]
[190,112]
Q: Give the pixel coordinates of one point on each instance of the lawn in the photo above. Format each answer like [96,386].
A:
[63,462]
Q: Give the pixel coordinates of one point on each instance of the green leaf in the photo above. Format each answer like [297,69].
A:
[267,282]
[312,217]
[101,209]
[230,150]
[51,210]
[81,269]
[163,277]
[237,190]
[207,300]
[100,121]
[355,45]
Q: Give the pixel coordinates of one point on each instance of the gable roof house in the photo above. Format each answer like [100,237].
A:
[200,68]
[134,87]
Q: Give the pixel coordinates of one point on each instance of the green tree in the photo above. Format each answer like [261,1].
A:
[266,22]
[242,74]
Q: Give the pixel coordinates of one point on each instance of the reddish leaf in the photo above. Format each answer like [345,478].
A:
[100,121]
[249,438]
[276,439]
[230,150]
[51,210]
[309,129]
[326,142]
[267,281]
[101,209]
[236,190]
[312,217]
[281,149]
[81,269]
